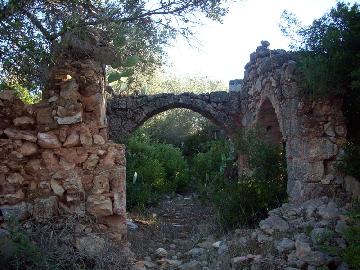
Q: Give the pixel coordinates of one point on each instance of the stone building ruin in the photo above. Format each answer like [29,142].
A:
[56,157]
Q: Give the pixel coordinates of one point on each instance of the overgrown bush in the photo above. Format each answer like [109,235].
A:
[350,162]
[247,199]
[211,164]
[17,251]
[153,169]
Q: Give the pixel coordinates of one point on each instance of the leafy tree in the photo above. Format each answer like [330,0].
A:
[32,31]
[328,53]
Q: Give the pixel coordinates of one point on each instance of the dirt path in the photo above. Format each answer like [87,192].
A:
[175,234]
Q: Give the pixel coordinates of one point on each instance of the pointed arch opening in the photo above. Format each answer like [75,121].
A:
[268,122]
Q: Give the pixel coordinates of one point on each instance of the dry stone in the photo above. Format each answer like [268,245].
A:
[72,140]
[18,211]
[90,244]
[99,205]
[20,135]
[48,140]
[28,149]
[15,178]
[23,121]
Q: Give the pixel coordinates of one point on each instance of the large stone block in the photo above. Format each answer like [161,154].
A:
[99,205]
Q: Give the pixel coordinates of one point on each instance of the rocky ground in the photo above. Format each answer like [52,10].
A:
[174,235]
[182,234]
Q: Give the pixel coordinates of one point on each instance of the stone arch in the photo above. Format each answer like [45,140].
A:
[203,113]
[125,114]
[267,120]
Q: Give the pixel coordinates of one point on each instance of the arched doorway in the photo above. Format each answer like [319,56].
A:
[267,121]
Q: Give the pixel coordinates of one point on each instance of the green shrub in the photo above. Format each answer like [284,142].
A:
[19,252]
[160,169]
[350,162]
[212,163]
[351,254]
[247,199]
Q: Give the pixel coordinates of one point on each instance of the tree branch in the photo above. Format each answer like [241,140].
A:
[158,11]
[38,25]
[13,7]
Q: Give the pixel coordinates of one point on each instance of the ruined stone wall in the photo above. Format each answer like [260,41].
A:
[313,132]
[55,158]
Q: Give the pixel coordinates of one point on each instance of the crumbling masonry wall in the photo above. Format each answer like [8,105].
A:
[55,157]
[313,132]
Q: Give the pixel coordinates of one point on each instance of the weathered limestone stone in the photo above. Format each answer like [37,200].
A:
[302,245]
[50,160]
[85,136]
[160,253]
[48,140]
[66,165]
[274,223]
[72,140]
[69,90]
[124,117]
[328,211]
[20,135]
[12,198]
[72,183]
[91,162]
[23,121]
[99,205]
[45,208]
[44,116]
[73,155]
[68,120]
[101,184]
[90,244]
[285,245]
[18,211]
[15,178]
[28,149]
[98,139]
[8,95]
[192,265]
[93,102]
[57,188]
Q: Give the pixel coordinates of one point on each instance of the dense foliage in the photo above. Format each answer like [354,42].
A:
[246,199]
[153,169]
[32,31]
[350,161]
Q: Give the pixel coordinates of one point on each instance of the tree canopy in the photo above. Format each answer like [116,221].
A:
[32,30]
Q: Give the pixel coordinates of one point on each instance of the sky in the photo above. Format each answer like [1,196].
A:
[225,48]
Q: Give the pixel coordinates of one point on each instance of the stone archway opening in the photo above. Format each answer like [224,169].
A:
[268,122]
